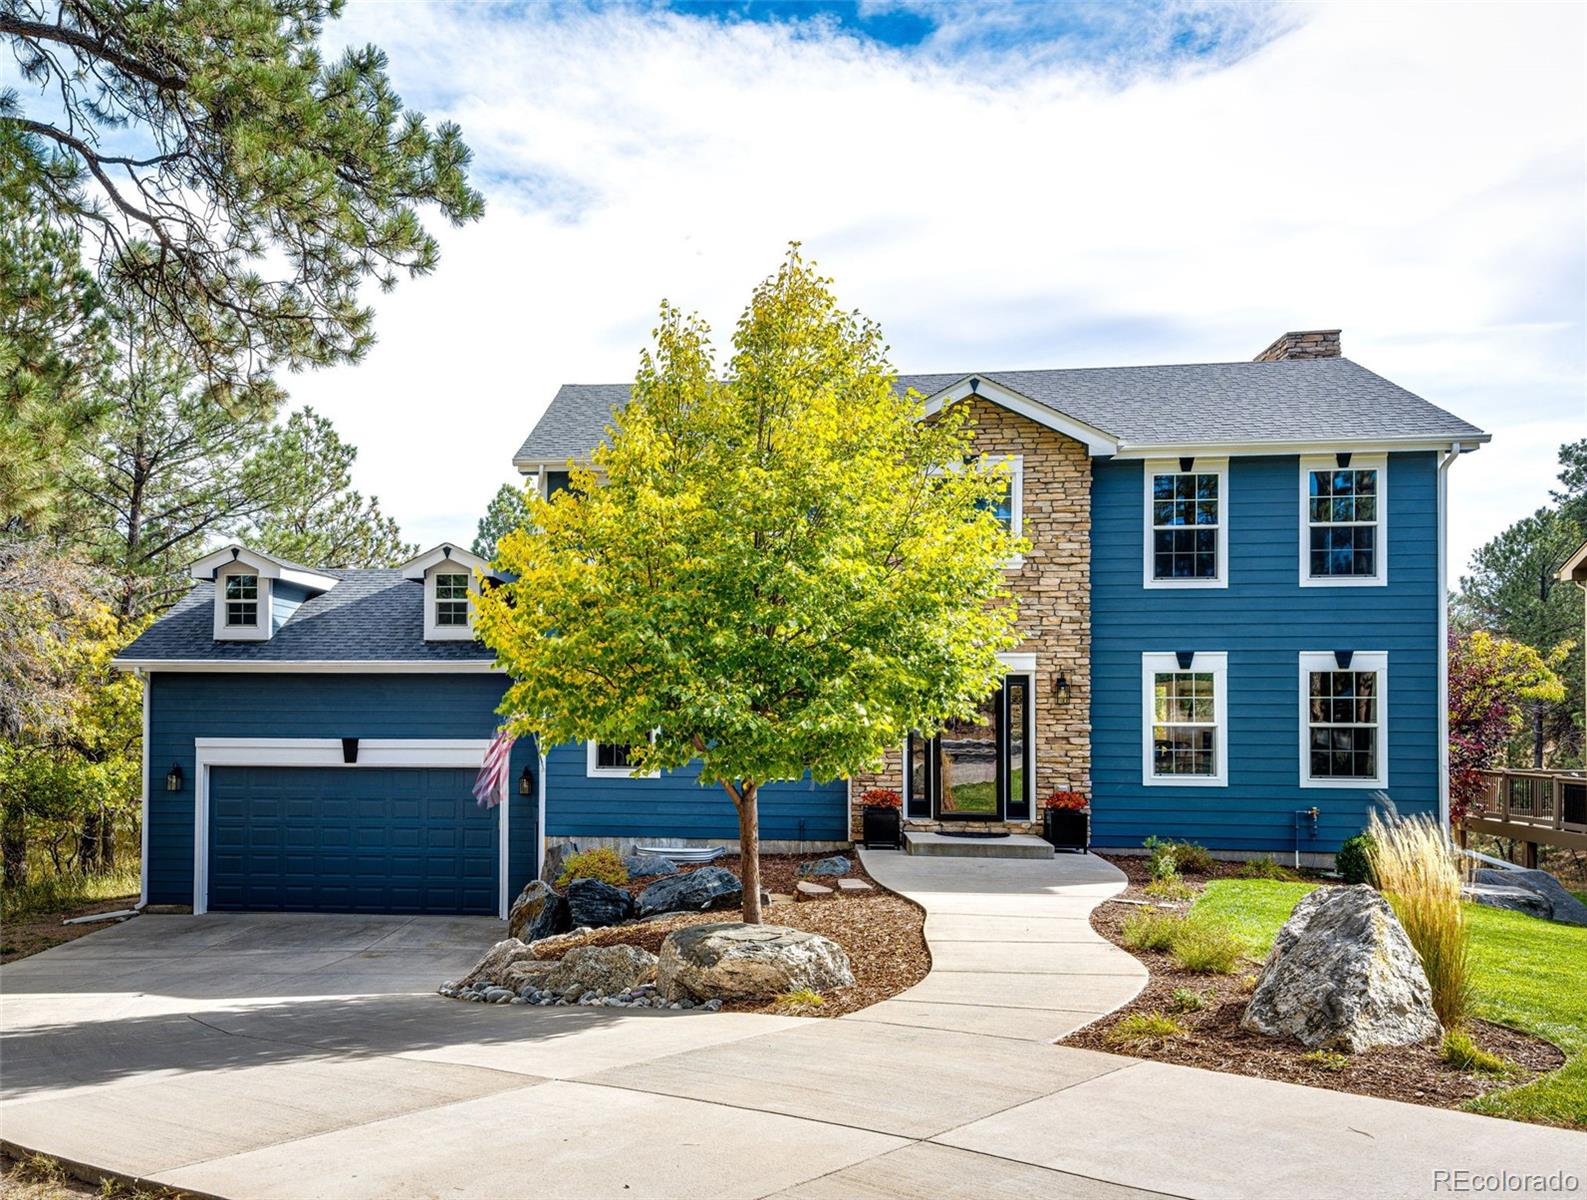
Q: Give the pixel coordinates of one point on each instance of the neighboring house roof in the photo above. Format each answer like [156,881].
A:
[372,615]
[1321,400]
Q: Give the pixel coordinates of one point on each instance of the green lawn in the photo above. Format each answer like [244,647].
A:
[1527,974]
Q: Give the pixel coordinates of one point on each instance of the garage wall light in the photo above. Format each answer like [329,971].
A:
[173,778]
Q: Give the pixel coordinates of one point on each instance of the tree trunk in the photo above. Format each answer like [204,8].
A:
[88,843]
[749,850]
[107,842]
[14,846]
[1537,735]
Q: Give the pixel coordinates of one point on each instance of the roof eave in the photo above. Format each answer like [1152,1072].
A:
[1409,442]
[418,666]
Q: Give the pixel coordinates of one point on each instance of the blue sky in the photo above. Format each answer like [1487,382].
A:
[1001,186]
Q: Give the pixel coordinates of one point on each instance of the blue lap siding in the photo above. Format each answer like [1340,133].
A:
[184,706]
[677,805]
[1264,619]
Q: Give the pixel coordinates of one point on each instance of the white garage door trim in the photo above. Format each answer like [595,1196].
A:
[327,752]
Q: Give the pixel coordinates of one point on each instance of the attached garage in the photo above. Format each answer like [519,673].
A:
[350,839]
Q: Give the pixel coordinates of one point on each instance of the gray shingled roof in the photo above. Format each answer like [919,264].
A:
[372,615]
[1322,399]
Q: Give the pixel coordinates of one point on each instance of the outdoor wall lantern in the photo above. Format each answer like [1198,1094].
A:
[173,778]
[1060,688]
[526,783]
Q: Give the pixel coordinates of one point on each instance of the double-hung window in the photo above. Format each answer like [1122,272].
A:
[1185,719]
[1343,711]
[1343,520]
[1187,522]
[242,600]
[451,599]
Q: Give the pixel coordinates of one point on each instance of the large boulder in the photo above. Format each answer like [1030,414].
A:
[597,904]
[556,854]
[1512,899]
[1343,975]
[698,891]
[836,864]
[497,961]
[604,970]
[537,913]
[1563,906]
[730,961]
[645,866]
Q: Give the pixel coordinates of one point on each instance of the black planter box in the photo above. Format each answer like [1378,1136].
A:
[882,827]
[1066,828]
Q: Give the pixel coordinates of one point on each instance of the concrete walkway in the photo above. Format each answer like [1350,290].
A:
[290,1058]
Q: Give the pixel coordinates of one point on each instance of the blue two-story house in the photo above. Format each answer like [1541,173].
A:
[1233,622]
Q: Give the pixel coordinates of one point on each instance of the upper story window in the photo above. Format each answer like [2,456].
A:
[242,600]
[1342,520]
[558,481]
[1342,719]
[451,598]
[1185,722]
[1186,522]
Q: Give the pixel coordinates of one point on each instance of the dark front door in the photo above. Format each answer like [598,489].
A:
[979,769]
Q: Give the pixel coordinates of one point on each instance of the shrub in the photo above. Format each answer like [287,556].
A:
[1266,868]
[1150,931]
[1170,888]
[1144,1028]
[605,865]
[1205,949]
[1186,1000]
[1417,869]
[1175,858]
[1328,1060]
[801,998]
[1354,860]
[1462,1053]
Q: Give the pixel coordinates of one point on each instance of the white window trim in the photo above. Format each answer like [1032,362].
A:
[327,752]
[1213,662]
[259,632]
[434,632]
[592,771]
[1016,499]
[1170,466]
[1361,660]
[1358,462]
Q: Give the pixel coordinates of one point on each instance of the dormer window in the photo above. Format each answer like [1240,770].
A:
[256,594]
[242,600]
[451,578]
[451,598]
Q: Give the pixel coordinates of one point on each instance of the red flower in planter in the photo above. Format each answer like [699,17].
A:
[881,798]
[1066,801]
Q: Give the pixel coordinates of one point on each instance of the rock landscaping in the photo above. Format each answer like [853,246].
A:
[698,891]
[1203,1014]
[858,948]
[733,961]
[538,913]
[646,866]
[1553,901]
[837,864]
[593,903]
[1342,975]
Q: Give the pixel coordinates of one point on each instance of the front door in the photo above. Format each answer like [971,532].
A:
[979,769]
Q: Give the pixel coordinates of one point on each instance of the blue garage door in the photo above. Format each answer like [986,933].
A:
[353,839]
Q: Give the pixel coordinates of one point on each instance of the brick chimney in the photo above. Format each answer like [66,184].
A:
[1304,343]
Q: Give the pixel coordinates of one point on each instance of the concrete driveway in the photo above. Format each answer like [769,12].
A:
[289,1058]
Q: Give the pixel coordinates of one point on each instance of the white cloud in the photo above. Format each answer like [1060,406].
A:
[1415,176]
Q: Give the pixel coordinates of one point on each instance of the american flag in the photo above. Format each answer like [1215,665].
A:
[490,788]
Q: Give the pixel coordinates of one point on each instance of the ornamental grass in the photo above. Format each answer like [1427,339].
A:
[1419,871]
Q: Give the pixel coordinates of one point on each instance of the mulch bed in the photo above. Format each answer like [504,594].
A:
[27,935]
[880,931]
[1215,1041]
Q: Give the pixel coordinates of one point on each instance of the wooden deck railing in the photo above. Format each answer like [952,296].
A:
[1534,806]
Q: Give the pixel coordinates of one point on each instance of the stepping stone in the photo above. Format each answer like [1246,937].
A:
[811,891]
[854,885]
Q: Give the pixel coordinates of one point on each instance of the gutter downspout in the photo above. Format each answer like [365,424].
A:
[1444,463]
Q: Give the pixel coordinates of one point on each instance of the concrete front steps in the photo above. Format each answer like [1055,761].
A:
[1018,845]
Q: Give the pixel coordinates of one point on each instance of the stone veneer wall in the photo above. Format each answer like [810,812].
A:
[1054,590]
